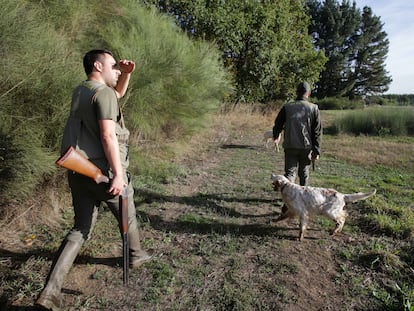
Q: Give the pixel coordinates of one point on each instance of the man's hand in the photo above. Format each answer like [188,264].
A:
[277,140]
[314,156]
[117,185]
[126,66]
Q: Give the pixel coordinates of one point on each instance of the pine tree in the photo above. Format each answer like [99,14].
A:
[356,47]
[372,48]
[333,28]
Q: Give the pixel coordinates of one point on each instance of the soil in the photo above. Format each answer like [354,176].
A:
[246,261]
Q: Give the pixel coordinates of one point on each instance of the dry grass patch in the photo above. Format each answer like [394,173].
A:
[373,150]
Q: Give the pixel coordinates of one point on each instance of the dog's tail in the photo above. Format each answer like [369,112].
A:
[351,198]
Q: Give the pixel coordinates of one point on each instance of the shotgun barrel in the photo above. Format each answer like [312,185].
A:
[123,213]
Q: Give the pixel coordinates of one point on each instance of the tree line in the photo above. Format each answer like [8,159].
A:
[269,45]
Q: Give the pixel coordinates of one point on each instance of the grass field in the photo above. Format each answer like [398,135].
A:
[216,247]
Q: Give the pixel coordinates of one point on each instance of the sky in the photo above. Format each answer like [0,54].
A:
[398,19]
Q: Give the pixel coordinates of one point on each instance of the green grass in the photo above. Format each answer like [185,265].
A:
[384,121]
[216,249]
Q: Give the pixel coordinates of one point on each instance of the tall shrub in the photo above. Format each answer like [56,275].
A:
[33,57]
[177,81]
[176,84]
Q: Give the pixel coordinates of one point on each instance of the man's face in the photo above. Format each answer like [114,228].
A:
[110,71]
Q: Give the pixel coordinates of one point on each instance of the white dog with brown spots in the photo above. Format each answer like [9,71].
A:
[303,201]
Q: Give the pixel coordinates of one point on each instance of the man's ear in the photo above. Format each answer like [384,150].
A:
[98,66]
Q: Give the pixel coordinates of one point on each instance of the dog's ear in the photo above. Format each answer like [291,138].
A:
[275,182]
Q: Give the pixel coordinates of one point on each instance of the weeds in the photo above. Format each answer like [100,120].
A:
[378,121]
[216,249]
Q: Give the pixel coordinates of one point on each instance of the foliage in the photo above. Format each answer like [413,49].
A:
[400,99]
[263,43]
[176,84]
[370,75]
[341,103]
[178,81]
[356,47]
[380,100]
[22,168]
[397,121]
[32,96]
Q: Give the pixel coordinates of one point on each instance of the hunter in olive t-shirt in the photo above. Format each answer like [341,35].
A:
[93,101]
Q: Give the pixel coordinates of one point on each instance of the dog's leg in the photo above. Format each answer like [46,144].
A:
[285,213]
[340,221]
[338,215]
[303,226]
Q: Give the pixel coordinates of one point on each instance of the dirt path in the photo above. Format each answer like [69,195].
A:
[216,248]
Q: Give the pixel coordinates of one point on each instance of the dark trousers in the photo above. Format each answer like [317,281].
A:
[297,162]
[87,197]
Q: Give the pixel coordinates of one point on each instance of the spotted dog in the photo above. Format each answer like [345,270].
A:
[303,201]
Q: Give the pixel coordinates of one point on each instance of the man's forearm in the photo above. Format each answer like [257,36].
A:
[122,84]
[111,147]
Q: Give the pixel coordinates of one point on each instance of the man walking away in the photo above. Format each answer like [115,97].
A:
[300,120]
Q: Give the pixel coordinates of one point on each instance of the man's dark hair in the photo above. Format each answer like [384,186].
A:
[91,57]
[303,88]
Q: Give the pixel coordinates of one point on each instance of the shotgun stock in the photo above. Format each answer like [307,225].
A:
[75,161]
[123,215]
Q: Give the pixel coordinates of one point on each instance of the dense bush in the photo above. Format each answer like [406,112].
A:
[176,84]
[339,103]
[397,121]
[379,100]
[34,96]
[400,99]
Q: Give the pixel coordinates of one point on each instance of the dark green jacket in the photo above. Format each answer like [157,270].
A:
[302,126]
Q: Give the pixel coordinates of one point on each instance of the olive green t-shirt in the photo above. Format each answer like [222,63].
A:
[91,101]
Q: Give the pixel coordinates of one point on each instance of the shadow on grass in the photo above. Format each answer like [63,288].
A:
[207,201]
[4,307]
[16,258]
[211,226]
[234,146]
[208,225]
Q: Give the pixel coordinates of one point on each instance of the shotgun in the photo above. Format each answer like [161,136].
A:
[75,161]
[123,220]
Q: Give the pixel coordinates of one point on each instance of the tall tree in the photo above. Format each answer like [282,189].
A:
[333,28]
[370,75]
[265,44]
[356,47]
